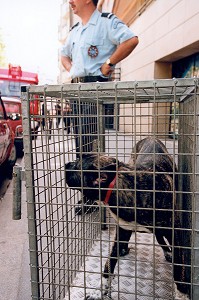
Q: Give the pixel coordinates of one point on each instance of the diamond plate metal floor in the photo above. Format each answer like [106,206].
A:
[143,274]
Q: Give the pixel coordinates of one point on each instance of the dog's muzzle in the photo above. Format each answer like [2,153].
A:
[73,176]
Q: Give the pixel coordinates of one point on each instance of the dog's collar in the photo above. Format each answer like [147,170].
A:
[108,194]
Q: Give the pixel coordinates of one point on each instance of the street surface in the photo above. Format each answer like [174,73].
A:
[14,256]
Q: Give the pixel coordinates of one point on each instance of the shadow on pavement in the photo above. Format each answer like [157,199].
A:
[5,179]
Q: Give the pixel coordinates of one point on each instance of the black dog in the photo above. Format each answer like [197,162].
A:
[140,196]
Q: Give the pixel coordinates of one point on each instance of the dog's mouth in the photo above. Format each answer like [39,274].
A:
[77,179]
[100,181]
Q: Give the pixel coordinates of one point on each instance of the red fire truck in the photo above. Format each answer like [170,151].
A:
[11,80]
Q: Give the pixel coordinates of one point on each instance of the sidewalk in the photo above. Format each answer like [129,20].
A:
[14,256]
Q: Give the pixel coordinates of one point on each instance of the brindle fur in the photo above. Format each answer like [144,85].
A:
[133,199]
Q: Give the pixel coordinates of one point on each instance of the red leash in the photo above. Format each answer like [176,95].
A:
[108,194]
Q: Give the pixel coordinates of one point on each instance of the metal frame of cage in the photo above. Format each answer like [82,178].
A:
[62,243]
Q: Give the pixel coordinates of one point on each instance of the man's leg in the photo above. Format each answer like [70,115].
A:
[85,131]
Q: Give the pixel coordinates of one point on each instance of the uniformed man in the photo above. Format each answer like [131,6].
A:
[94,46]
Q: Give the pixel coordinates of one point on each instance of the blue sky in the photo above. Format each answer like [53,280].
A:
[29,29]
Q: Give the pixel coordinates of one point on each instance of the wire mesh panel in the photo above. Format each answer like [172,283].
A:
[112,190]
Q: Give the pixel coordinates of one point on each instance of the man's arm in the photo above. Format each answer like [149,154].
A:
[122,51]
[66,62]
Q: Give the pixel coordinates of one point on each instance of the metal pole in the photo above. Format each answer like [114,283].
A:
[101,111]
[16,205]
[32,229]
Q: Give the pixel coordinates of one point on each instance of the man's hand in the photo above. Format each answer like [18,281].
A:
[66,62]
[106,70]
[122,51]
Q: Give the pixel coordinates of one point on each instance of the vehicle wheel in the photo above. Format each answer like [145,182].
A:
[13,157]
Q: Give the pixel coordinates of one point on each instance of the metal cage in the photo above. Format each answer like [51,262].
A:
[68,250]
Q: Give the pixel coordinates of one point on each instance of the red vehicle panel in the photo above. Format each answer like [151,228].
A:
[11,81]
[7,148]
[14,114]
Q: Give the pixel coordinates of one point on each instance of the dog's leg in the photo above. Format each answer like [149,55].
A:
[124,237]
[160,234]
[179,264]
[120,248]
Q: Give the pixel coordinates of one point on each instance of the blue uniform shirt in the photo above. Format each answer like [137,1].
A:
[104,33]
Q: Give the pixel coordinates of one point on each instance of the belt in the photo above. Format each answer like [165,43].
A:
[89,79]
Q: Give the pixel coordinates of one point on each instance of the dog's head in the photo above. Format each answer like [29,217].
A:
[91,171]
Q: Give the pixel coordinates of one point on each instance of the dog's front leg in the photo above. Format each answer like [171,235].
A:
[160,234]
[120,248]
[181,270]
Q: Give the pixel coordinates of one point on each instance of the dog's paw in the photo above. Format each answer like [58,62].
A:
[101,292]
[96,295]
[179,295]
[168,256]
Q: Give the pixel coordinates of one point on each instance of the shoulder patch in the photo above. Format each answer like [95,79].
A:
[74,26]
[107,15]
[116,22]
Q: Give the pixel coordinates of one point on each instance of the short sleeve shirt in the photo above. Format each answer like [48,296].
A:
[102,33]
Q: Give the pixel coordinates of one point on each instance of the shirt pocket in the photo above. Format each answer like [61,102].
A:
[99,43]
[95,41]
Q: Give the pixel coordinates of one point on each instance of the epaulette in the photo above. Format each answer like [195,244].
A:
[74,26]
[107,15]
